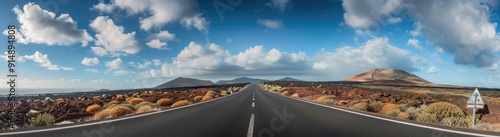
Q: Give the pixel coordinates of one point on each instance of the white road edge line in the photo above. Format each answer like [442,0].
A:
[395,121]
[113,120]
[250,126]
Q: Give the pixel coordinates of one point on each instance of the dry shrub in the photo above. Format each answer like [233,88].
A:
[360,106]
[198,98]
[207,97]
[388,107]
[224,93]
[164,102]
[41,120]
[102,114]
[427,118]
[296,95]
[119,97]
[213,93]
[93,108]
[404,115]
[143,109]
[445,109]
[128,99]
[120,111]
[145,103]
[393,112]
[375,106]
[285,93]
[326,100]
[135,101]
[111,103]
[180,103]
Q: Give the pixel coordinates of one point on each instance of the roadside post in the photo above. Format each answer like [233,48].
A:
[475,101]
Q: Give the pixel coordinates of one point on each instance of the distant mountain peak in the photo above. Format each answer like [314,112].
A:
[288,79]
[389,76]
[185,82]
[241,80]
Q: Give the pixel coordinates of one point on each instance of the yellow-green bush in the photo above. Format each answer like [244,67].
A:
[427,118]
[444,109]
[198,98]
[403,107]
[120,111]
[135,101]
[224,93]
[145,103]
[93,108]
[457,121]
[285,93]
[375,106]
[213,93]
[102,114]
[41,120]
[164,102]
[360,106]
[143,109]
[393,112]
[296,95]
[181,103]
[326,100]
[207,97]
[388,107]
[111,103]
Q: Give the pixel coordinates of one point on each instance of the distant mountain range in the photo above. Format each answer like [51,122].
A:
[191,82]
[185,82]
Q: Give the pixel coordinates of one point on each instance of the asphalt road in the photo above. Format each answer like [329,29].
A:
[253,112]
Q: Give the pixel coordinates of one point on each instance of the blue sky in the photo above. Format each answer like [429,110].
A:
[134,44]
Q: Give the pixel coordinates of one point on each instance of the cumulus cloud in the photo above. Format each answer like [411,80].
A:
[375,53]
[160,40]
[213,60]
[43,61]
[117,63]
[280,5]
[432,70]
[112,38]
[90,61]
[459,27]
[160,12]
[92,70]
[271,24]
[122,72]
[415,43]
[43,27]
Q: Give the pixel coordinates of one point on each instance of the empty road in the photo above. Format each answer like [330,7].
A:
[253,112]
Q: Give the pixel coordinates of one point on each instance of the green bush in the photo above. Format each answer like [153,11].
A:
[41,120]
[375,106]
[414,112]
[427,118]
[393,112]
[457,121]
[444,109]
[403,107]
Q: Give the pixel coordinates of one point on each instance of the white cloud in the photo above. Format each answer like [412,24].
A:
[43,27]
[433,70]
[195,21]
[19,36]
[122,72]
[375,53]
[460,27]
[17,58]
[419,60]
[99,51]
[117,63]
[157,44]
[280,5]
[156,62]
[271,24]
[145,64]
[164,35]
[256,58]
[75,80]
[415,43]
[92,70]
[43,60]
[112,38]
[229,40]
[160,12]
[394,20]
[90,61]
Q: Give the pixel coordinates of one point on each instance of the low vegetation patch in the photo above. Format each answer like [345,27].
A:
[428,118]
[444,109]
[326,100]
[296,95]
[213,93]
[285,93]
[164,102]
[360,106]
[93,108]
[102,114]
[145,108]
[388,107]
[207,97]
[198,98]
[135,101]
[120,111]
[403,115]
[375,106]
[41,120]
[145,103]
[181,103]
[457,121]
[393,112]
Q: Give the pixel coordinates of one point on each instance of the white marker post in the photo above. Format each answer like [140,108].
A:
[475,101]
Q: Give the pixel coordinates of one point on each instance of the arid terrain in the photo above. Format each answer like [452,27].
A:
[42,111]
[395,95]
